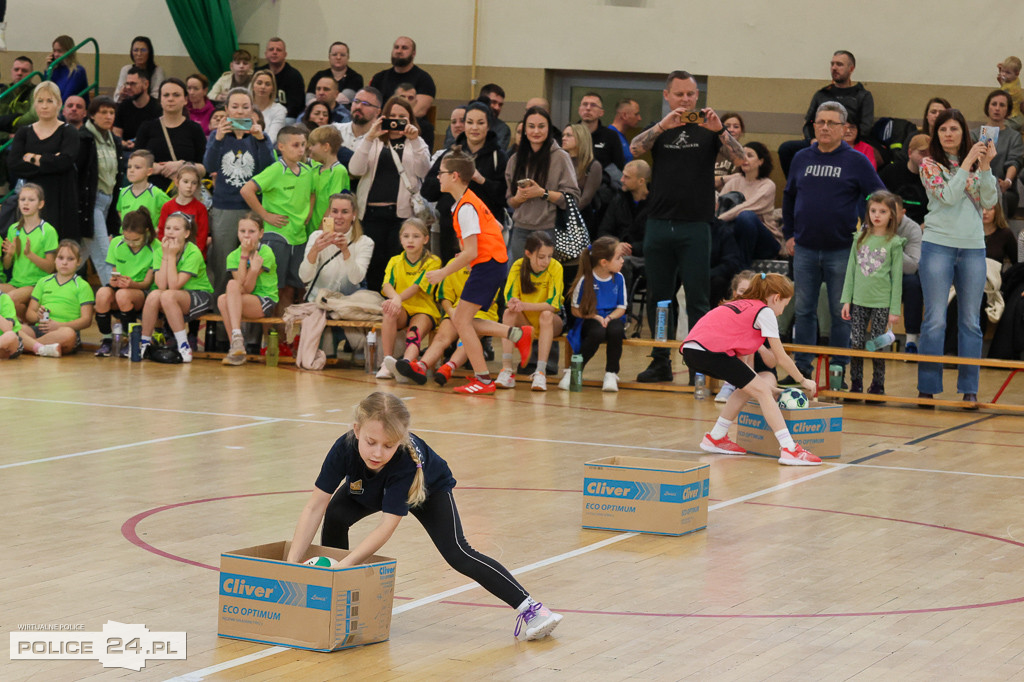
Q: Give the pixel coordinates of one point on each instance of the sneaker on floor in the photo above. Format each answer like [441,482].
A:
[876,388]
[475,387]
[185,351]
[384,372]
[721,446]
[659,370]
[611,382]
[724,393]
[523,345]
[538,382]
[566,380]
[392,366]
[790,381]
[284,350]
[911,347]
[50,350]
[506,379]
[125,352]
[443,374]
[797,456]
[236,356]
[410,370]
[536,622]
[106,345]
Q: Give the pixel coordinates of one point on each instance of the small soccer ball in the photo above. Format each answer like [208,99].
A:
[793,399]
[322,562]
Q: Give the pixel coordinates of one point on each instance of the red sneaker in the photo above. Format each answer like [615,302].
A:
[797,456]
[524,343]
[443,374]
[412,369]
[475,387]
[285,350]
[721,446]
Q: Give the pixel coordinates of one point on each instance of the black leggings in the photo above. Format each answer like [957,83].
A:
[440,518]
[593,334]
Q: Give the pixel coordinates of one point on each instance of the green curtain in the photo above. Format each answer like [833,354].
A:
[208,31]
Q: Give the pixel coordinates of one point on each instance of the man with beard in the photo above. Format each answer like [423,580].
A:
[365,109]
[136,107]
[404,71]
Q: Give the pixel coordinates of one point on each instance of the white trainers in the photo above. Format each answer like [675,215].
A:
[611,382]
[797,456]
[185,351]
[384,372]
[725,392]
[390,363]
[539,382]
[49,350]
[566,378]
[506,379]
[536,622]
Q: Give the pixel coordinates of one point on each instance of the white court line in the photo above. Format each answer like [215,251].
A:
[197,675]
[332,423]
[136,444]
[936,471]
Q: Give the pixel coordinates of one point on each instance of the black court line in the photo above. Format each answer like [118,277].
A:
[929,436]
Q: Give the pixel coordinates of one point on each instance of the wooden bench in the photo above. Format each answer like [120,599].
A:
[368,325]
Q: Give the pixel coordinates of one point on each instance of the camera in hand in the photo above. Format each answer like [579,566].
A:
[692,117]
[394,124]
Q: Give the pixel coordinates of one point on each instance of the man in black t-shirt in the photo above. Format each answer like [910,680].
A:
[291,87]
[136,107]
[403,70]
[677,241]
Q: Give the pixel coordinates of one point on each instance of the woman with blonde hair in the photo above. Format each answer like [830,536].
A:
[576,140]
[379,466]
[69,75]
[263,89]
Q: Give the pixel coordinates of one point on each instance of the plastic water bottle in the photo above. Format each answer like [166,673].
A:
[272,348]
[576,373]
[661,326]
[135,342]
[370,354]
[881,341]
[210,343]
[700,387]
[835,376]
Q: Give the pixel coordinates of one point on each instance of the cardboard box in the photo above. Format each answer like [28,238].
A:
[644,495]
[265,599]
[817,428]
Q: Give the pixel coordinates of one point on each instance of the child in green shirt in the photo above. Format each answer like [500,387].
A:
[10,340]
[873,288]
[252,289]
[61,307]
[329,175]
[30,249]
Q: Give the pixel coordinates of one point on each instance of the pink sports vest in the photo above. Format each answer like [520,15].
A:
[729,328]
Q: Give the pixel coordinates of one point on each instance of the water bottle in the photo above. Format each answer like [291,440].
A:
[272,348]
[576,373]
[135,341]
[700,387]
[210,343]
[370,355]
[661,327]
[835,376]
[881,341]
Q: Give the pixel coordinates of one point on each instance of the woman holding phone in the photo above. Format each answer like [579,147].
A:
[538,176]
[1009,147]
[392,148]
[236,150]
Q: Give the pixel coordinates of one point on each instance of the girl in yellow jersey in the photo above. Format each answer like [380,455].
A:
[409,296]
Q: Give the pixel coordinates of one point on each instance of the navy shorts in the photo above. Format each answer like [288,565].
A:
[485,281]
[199,302]
[288,258]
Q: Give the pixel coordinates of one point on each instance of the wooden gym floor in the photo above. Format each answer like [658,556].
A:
[901,561]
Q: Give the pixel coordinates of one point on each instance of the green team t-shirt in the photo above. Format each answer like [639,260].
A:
[8,312]
[64,301]
[153,198]
[133,265]
[43,241]
[287,193]
[190,260]
[266,283]
[326,182]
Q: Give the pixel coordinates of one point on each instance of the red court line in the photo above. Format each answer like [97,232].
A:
[128,529]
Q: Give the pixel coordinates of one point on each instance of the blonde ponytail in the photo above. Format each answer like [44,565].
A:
[393,415]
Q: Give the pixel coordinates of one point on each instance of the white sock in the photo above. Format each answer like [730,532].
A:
[527,603]
[785,440]
[721,428]
[911,338]
[181,337]
[146,340]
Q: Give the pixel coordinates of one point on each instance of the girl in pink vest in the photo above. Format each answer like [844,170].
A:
[721,343]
